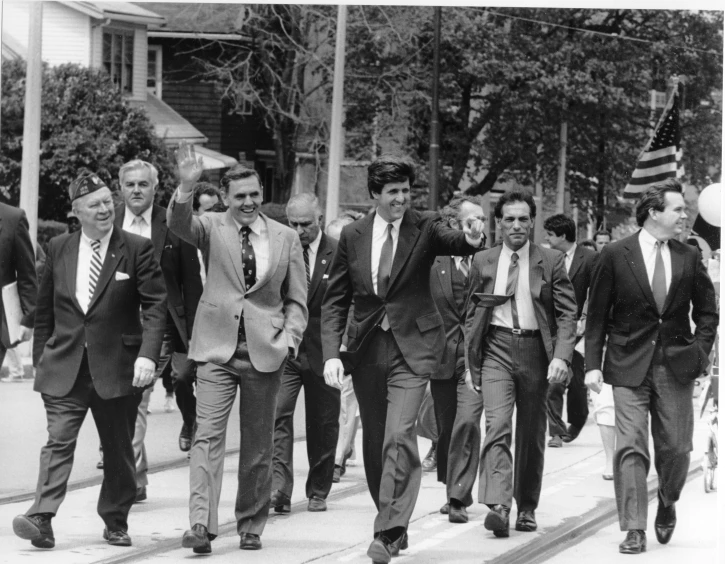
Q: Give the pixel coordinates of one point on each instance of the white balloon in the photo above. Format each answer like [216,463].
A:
[710,205]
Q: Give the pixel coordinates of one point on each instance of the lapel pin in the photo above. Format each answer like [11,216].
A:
[324,261]
[443,271]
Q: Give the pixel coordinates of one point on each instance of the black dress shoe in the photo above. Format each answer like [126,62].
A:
[35,528]
[556,442]
[380,550]
[281,502]
[665,522]
[116,538]
[635,542]
[250,541]
[445,508]
[430,462]
[316,504]
[526,522]
[497,520]
[198,538]
[457,512]
[185,438]
[140,494]
[337,474]
[401,543]
[571,433]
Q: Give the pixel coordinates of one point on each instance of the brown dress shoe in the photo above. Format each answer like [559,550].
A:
[198,538]
[35,528]
[526,522]
[497,521]
[281,502]
[380,550]
[116,538]
[315,504]
[250,541]
[635,542]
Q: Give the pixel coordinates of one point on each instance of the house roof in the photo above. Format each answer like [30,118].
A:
[168,124]
[200,18]
[119,11]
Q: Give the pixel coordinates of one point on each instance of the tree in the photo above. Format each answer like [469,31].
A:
[85,123]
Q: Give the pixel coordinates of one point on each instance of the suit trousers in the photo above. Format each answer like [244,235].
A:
[427,426]
[670,404]
[458,412]
[348,422]
[389,395]
[182,374]
[216,390]
[114,420]
[514,374]
[577,407]
[322,412]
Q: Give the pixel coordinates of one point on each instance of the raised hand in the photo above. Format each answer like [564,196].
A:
[473,229]
[189,165]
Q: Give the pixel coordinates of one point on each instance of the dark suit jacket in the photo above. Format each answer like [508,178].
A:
[414,320]
[111,327]
[441,288]
[622,307]
[180,265]
[17,263]
[580,274]
[552,293]
[311,347]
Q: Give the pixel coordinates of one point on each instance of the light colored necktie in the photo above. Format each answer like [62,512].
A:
[464,266]
[137,224]
[95,270]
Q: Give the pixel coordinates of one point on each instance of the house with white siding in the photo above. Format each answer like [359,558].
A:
[108,35]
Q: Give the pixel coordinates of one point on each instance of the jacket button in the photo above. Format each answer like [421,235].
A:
[654,342]
[236,317]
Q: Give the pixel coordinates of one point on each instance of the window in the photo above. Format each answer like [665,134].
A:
[155,65]
[118,58]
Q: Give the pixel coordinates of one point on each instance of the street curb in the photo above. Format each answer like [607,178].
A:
[544,547]
[226,529]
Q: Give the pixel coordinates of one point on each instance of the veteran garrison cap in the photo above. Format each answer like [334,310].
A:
[85,184]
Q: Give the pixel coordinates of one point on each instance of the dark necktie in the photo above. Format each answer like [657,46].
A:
[511,283]
[386,263]
[248,261]
[306,255]
[659,281]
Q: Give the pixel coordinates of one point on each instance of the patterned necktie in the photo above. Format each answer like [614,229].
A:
[464,266]
[511,283]
[386,263]
[249,262]
[659,281]
[96,266]
[306,255]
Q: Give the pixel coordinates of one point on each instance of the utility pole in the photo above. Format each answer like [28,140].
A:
[435,134]
[30,171]
[561,177]
[337,142]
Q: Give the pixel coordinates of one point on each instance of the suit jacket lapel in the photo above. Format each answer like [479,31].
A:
[490,270]
[409,234]
[678,266]
[635,260]
[443,266]
[363,251]
[536,271]
[230,235]
[113,257]
[276,241]
[158,231]
[324,256]
[576,262]
[70,258]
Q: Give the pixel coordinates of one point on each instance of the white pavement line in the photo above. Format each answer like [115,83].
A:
[449,533]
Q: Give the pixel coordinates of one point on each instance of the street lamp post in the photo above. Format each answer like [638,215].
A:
[435,134]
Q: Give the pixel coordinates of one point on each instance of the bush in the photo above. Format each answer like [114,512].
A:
[47,229]
[85,124]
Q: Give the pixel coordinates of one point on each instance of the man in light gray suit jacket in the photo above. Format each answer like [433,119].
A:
[251,316]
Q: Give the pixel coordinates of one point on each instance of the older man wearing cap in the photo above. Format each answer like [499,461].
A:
[92,351]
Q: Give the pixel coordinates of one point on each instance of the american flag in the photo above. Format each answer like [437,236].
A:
[662,158]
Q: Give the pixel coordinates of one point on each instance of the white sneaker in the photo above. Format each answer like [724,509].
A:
[169,404]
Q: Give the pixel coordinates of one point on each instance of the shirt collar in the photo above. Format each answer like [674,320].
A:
[522,252]
[257,225]
[379,224]
[316,243]
[86,240]
[146,214]
[570,252]
[646,238]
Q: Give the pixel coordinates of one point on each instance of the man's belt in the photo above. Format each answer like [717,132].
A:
[519,332]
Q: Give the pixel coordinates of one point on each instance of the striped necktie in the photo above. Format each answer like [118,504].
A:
[511,283]
[464,266]
[96,266]
[306,255]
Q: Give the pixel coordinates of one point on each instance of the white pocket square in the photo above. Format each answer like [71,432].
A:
[121,276]
[325,276]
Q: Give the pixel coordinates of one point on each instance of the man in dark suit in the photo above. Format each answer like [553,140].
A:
[93,351]
[251,317]
[322,402]
[457,410]
[644,291]
[396,337]
[17,264]
[579,262]
[178,259]
[520,332]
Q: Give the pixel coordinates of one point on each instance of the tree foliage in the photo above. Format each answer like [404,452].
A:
[85,123]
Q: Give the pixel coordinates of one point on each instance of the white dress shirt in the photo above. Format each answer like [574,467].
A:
[259,239]
[83,272]
[380,233]
[458,260]
[569,257]
[524,303]
[312,252]
[649,252]
[142,226]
